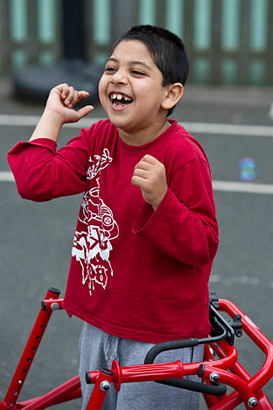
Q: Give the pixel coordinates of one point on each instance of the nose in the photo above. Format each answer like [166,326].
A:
[119,77]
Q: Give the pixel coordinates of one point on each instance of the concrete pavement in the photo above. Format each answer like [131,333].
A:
[37,238]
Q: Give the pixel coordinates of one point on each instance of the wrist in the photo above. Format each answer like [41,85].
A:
[53,118]
[49,126]
[155,204]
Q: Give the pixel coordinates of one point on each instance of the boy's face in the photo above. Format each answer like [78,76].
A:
[131,90]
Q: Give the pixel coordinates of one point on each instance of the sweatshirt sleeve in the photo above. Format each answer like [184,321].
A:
[184,226]
[42,173]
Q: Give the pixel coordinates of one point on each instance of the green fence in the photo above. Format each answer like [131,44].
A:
[228,41]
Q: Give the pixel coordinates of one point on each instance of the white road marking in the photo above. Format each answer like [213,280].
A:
[243,187]
[224,186]
[19,120]
[32,120]
[206,128]
[197,127]
[229,129]
[233,280]
[6,176]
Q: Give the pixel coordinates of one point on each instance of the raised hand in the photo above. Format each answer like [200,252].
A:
[59,110]
[61,102]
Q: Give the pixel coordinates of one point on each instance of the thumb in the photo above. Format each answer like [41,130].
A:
[82,112]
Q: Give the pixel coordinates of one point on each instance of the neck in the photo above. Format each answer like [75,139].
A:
[142,137]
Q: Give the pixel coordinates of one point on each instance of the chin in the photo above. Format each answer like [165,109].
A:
[118,121]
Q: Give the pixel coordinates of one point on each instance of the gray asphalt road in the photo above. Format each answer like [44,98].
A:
[36,238]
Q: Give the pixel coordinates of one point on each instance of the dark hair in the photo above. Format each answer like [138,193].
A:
[167,51]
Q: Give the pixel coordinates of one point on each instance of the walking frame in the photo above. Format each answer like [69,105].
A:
[219,369]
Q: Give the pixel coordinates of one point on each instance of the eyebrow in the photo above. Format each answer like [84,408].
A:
[135,62]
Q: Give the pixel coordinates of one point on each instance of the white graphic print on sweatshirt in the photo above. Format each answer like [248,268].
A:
[92,248]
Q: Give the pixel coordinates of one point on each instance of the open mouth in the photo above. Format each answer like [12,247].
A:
[120,100]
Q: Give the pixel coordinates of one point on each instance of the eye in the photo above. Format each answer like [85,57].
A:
[138,73]
[110,69]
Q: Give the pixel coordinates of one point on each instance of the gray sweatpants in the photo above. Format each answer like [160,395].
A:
[98,349]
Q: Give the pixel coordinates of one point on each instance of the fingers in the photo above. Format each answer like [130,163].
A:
[70,96]
[62,100]
[146,166]
[150,176]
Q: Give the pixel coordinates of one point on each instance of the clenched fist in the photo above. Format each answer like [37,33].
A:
[150,176]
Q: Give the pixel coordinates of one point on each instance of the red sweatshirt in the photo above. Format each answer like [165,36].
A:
[134,273]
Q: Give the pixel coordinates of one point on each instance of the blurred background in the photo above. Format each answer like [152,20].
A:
[227,106]
[229,41]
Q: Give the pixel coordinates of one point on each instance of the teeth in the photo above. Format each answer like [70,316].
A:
[119,97]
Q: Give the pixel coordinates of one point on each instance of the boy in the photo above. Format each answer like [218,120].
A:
[147,232]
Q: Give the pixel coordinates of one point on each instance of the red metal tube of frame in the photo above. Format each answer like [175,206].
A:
[256,335]
[129,374]
[143,372]
[100,389]
[53,304]
[262,376]
[69,390]
[29,353]
[148,372]
[234,381]
[244,385]
[228,354]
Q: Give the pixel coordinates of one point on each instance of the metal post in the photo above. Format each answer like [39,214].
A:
[29,352]
[124,12]
[74,39]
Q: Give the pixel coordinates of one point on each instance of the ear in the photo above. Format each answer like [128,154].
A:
[174,93]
